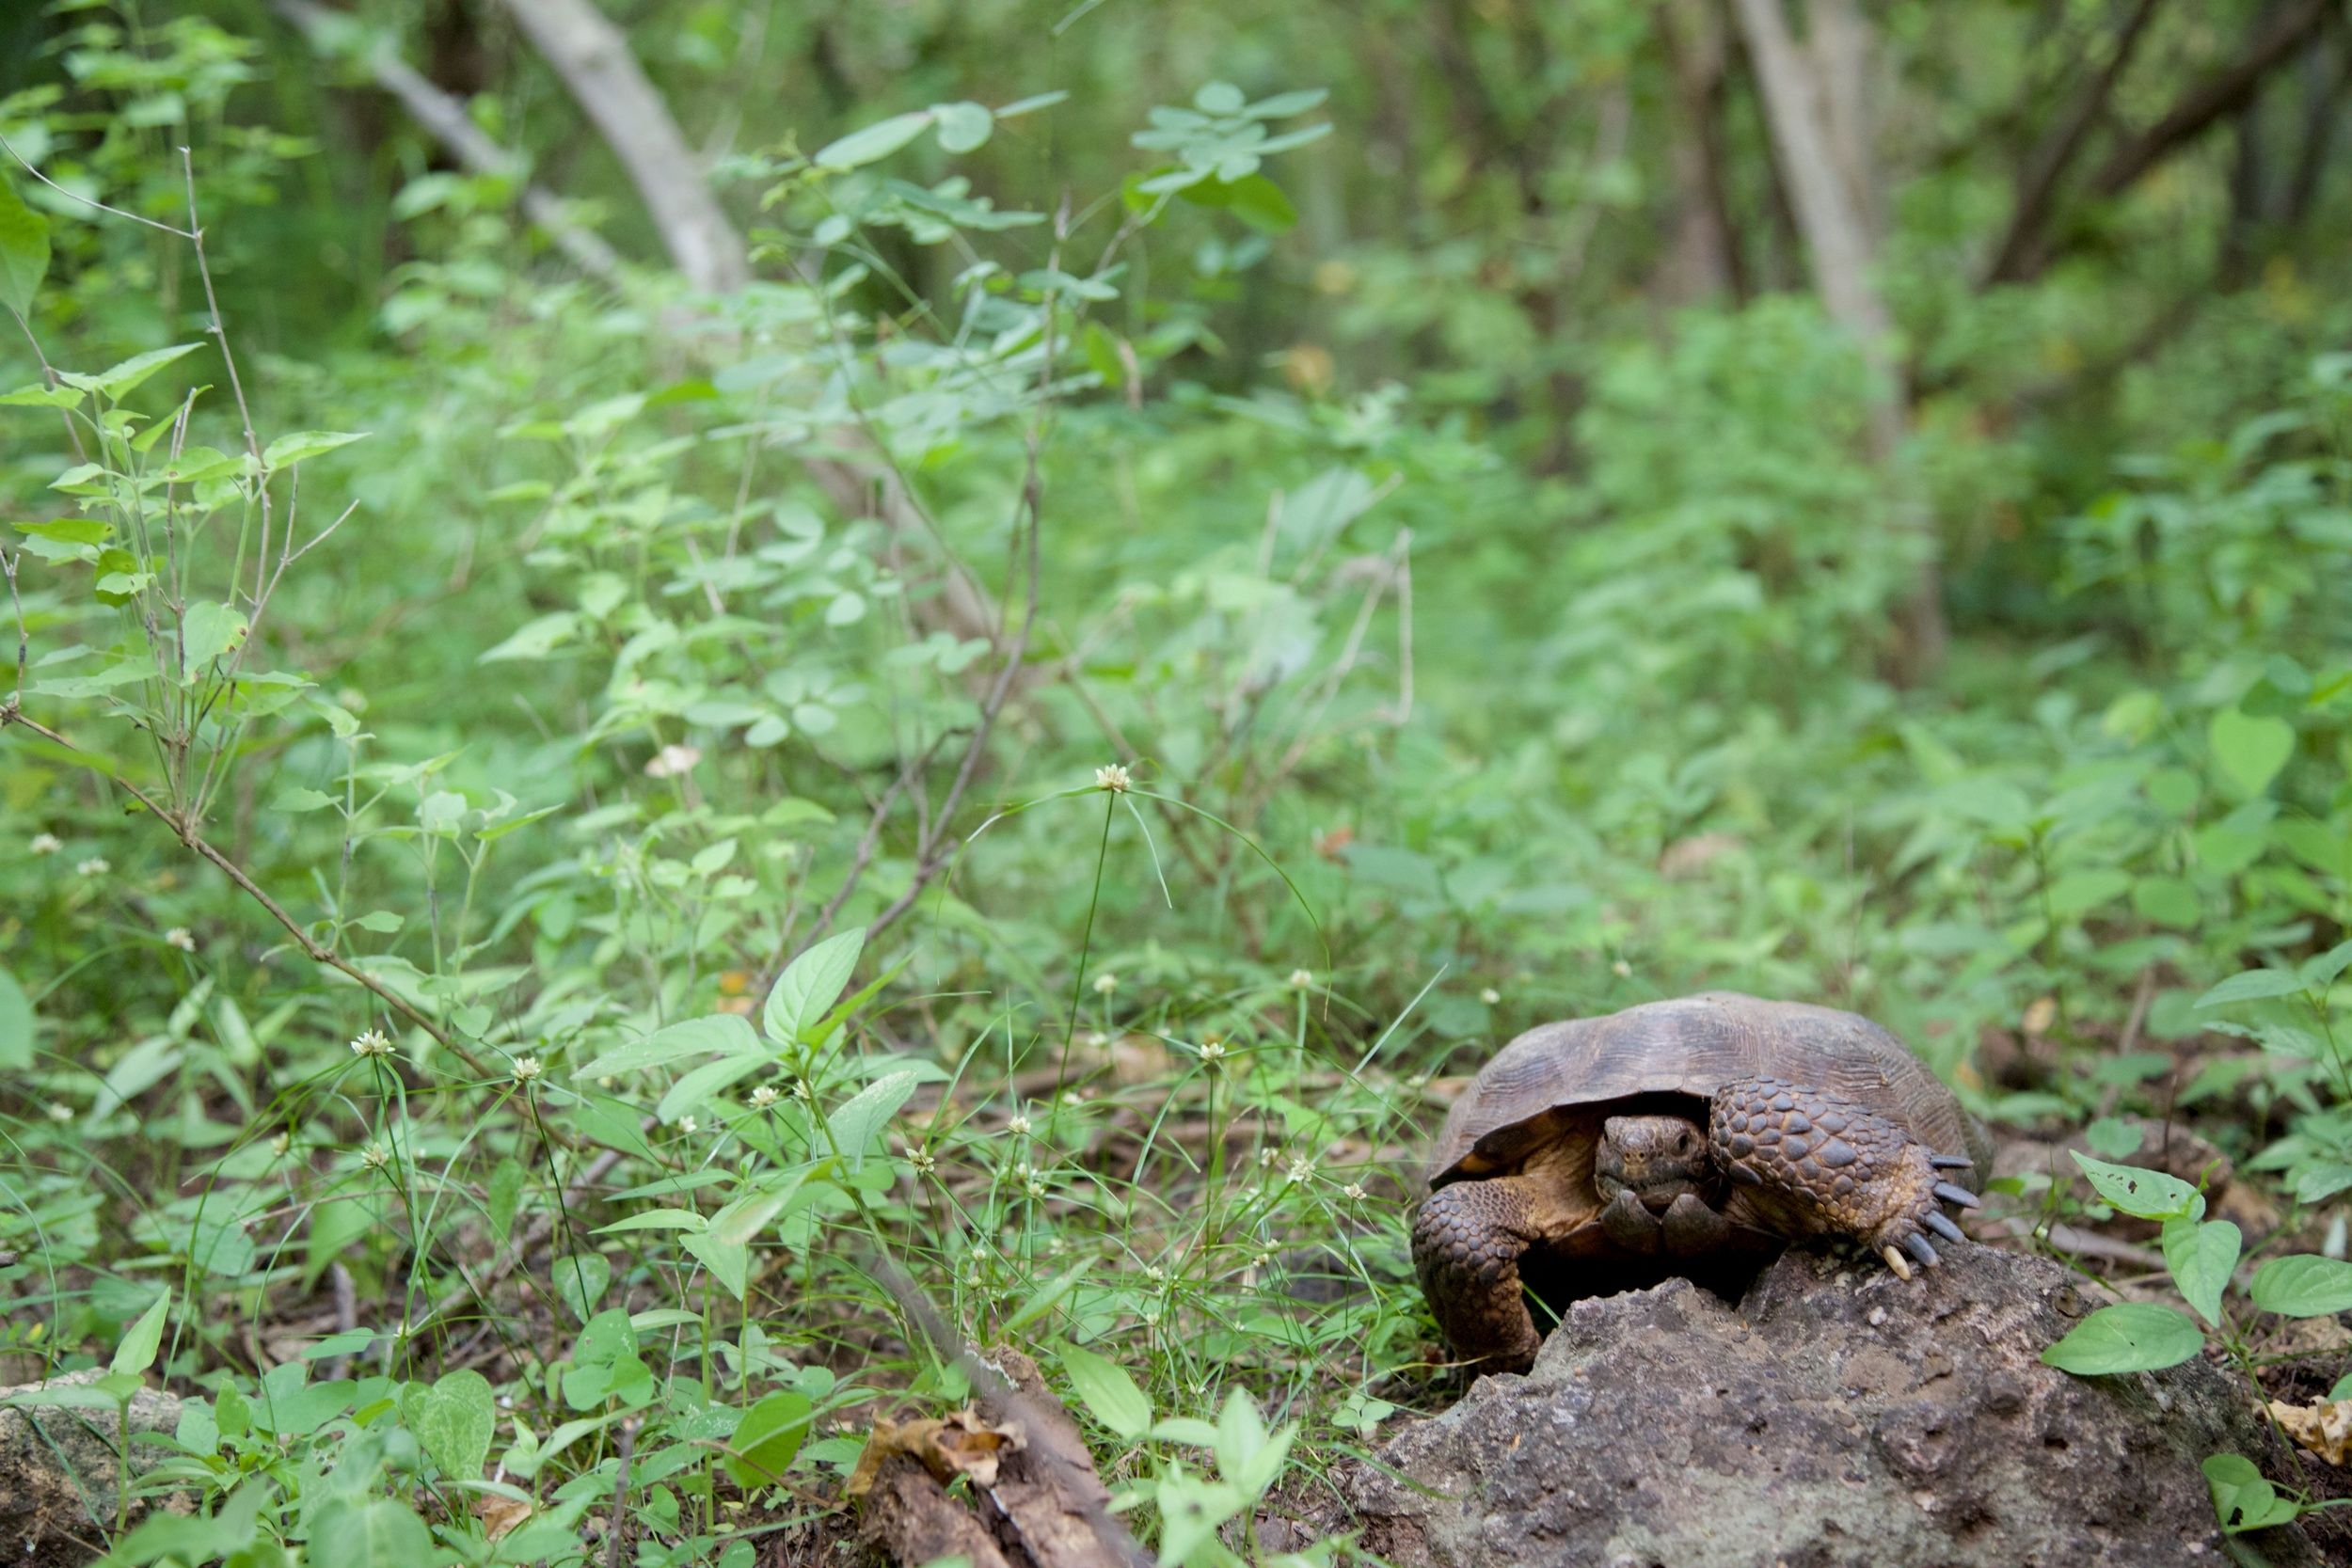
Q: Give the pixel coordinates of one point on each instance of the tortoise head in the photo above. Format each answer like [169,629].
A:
[1656,1158]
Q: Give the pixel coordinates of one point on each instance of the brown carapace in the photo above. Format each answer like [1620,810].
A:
[1695,1136]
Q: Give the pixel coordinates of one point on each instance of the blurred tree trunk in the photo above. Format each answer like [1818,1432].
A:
[593,61]
[1703,259]
[1814,104]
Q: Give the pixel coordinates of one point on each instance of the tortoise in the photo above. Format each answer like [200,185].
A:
[1683,1137]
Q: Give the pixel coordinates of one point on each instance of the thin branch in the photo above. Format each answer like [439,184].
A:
[2212,100]
[2018,254]
[187,832]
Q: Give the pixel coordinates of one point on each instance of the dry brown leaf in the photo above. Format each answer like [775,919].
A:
[2323,1427]
[958,1445]
[499,1515]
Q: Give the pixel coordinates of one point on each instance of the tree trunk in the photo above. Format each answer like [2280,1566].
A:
[1839,243]
[595,62]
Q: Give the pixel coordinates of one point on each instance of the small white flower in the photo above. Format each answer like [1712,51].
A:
[1622,970]
[1269,1157]
[1212,1053]
[1035,1188]
[689,1125]
[1301,1168]
[1153,1273]
[923,1161]
[60,1110]
[1491,996]
[802,1091]
[47,843]
[527,1067]
[1113,778]
[1097,1039]
[1105,984]
[1302,978]
[281,1143]
[1353,1191]
[97,865]
[1151,1316]
[671,761]
[182,937]
[371,1043]
[375,1157]
[764,1095]
[1018,1126]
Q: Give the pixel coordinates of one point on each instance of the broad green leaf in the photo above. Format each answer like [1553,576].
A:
[709,1079]
[580,1279]
[768,1437]
[2255,985]
[657,1219]
[2321,972]
[209,631]
[452,1421]
[875,142]
[289,450]
[1109,1394]
[2303,1285]
[724,1034]
[360,1531]
[2150,1195]
[142,1339]
[535,639]
[857,1119]
[741,1221]
[24,249]
[41,397]
[2249,750]
[16,1026]
[963,126]
[2242,1499]
[729,1262]
[2078,893]
[1218,97]
[2201,1256]
[120,381]
[809,984]
[2131,1337]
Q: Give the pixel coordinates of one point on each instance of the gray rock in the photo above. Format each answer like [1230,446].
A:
[60,1465]
[1836,1417]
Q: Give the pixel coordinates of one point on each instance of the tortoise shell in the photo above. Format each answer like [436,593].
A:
[1558,1081]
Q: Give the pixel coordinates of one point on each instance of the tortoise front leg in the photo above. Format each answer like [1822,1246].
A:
[1827,1165]
[1467,1242]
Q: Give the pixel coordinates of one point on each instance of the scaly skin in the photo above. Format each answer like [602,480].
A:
[1830,1166]
[1466,1243]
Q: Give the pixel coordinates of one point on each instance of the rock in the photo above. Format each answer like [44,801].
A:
[1836,1417]
[59,1464]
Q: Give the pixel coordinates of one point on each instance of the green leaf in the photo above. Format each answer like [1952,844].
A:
[768,1437]
[963,126]
[535,639]
[2201,1256]
[2303,1285]
[2255,985]
[709,1079]
[2151,1195]
[2248,751]
[809,986]
[16,1026]
[1218,97]
[289,450]
[359,1531]
[657,1219]
[2078,893]
[1109,1394]
[2321,972]
[2242,1499]
[1259,202]
[580,1279]
[874,143]
[120,381]
[452,1421]
[724,1034]
[142,1339]
[729,1262]
[867,1112]
[209,631]
[24,249]
[2131,1337]
[41,397]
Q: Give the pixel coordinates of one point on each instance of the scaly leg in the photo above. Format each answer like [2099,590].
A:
[1835,1167]
[1467,1242]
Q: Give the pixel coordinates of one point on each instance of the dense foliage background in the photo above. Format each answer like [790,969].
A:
[1533,540]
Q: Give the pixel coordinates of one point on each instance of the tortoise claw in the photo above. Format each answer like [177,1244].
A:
[1895,1261]
[1960,1195]
[1951,1162]
[1941,1226]
[1919,1247]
